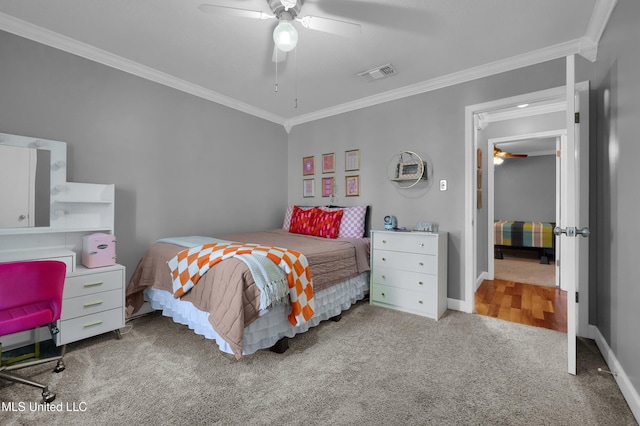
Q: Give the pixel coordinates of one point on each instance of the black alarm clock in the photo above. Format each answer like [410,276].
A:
[390,222]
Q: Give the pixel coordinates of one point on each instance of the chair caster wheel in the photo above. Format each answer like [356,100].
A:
[47,396]
[59,367]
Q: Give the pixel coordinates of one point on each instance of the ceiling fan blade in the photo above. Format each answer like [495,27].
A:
[232,11]
[278,55]
[332,26]
[510,155]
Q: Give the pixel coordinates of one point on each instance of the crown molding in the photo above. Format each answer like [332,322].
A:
[586,46]
[599,19]
[531,58]
[41,35]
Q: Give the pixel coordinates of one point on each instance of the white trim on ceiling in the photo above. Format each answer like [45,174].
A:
[67,44]
[586,46]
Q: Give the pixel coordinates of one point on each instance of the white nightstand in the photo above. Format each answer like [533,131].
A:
[409,272]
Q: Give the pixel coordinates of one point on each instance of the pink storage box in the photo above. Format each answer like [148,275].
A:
[98,250]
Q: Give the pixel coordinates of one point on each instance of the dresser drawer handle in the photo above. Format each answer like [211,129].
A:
[384,259]
[384,241]
[384,277]
[94,284]
[420,302]
[382,294]
[420,282]
[421,244]
[421,264]
[92,324]
[97,302]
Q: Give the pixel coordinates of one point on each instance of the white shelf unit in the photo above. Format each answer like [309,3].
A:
[76,209]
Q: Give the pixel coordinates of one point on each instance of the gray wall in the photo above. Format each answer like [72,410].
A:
[614,157]
[525,189]
[432,124]
[181,165]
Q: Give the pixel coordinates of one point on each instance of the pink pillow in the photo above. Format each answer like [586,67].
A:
[303,221]
[352,224]
[328,223]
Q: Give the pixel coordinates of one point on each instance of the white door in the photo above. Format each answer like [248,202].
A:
[17,186]
[572,250]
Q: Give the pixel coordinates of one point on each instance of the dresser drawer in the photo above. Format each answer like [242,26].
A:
[91,303]
[402,241]
[402,299]
[405,261]
[90,325]
[81,285]
[424,283]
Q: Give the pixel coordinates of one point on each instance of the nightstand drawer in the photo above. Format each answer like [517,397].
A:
[91,303]
[404,261]
[82,285]
[90,325]
[423,283]
[409,242]
[405,300]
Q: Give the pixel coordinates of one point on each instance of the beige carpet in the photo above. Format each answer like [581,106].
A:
[524,266]
[374,367]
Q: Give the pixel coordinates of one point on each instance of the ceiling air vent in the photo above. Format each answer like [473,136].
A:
[378,72]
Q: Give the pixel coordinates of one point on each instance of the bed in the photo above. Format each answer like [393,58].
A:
[520,234]
[227,305]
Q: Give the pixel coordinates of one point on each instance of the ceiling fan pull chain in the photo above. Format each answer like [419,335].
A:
[295,53]
[276,71]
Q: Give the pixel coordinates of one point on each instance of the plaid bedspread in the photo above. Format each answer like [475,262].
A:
[523,234]
[188,266]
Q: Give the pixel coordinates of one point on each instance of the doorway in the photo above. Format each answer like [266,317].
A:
[476,228]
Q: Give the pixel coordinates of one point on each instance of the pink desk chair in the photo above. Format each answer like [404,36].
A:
[31,297]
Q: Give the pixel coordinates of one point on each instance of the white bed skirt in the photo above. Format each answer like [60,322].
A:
[270,326]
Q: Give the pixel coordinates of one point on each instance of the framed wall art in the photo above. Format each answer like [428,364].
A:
[352,160]
[329,163]
[352,186]
[327,187]
[309,165]
[308,188]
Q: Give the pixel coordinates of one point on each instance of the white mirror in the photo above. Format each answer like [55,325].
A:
[32,173]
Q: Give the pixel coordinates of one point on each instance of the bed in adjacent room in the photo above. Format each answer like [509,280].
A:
[520,234]
[242,302]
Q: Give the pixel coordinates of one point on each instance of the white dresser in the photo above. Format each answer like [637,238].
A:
[409,272]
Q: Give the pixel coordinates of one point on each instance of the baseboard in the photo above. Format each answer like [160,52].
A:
[459,305]
[626,387]
[484,275]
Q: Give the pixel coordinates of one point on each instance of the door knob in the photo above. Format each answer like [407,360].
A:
[572,231]
[585,232]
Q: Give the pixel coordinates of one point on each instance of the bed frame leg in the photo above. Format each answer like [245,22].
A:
[497,253]
[281,346]
[336,318]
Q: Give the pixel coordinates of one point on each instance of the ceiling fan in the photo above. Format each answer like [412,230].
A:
[499,155]
[286,12]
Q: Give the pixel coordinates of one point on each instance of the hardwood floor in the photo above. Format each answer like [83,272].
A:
[523,303]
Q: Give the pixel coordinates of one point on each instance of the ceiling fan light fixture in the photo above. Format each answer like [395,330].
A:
[498,160]
[288,4]
[285,36]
